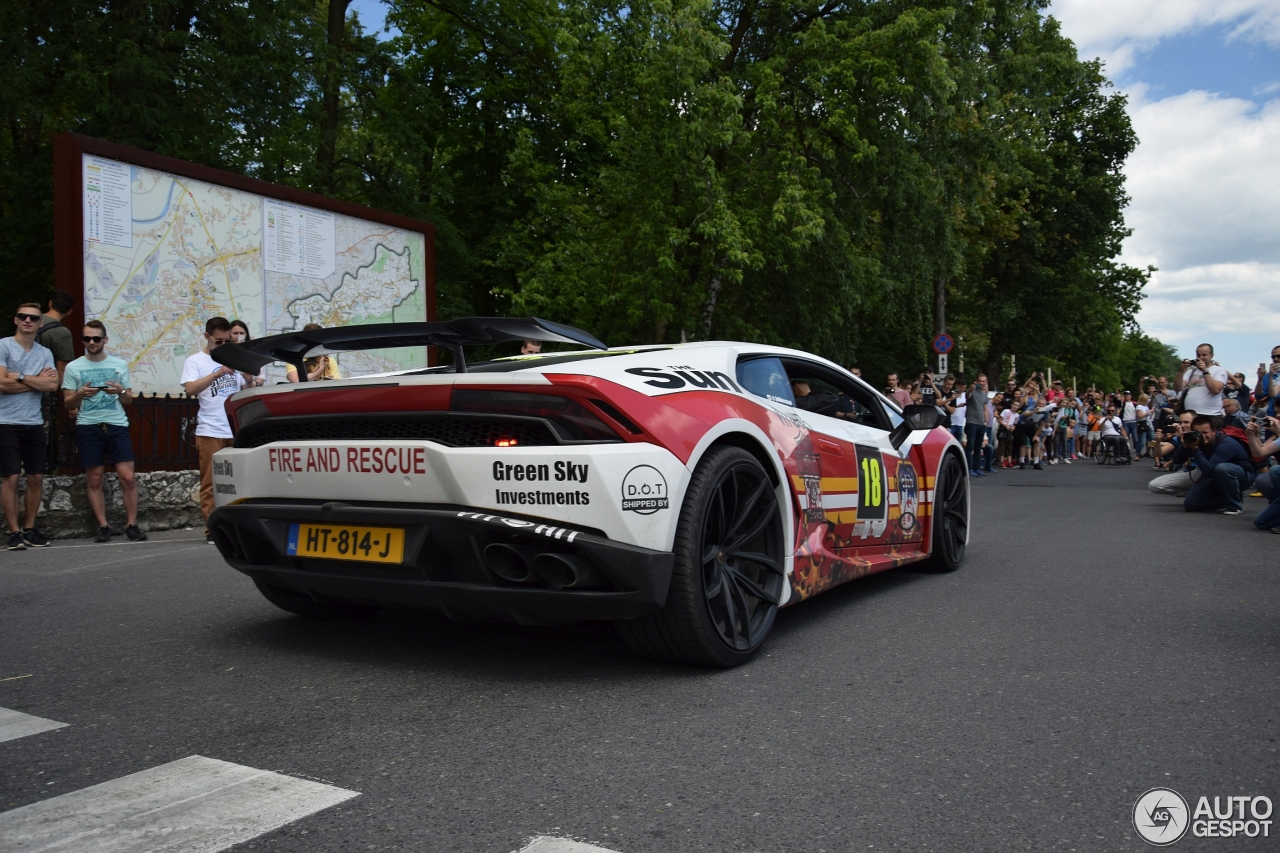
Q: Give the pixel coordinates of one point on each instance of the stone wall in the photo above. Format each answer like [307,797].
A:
[166,500]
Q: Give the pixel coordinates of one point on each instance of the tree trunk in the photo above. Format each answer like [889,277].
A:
[709,307]
[331,85]
[940,305]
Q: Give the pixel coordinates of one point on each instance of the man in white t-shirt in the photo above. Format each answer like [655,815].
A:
[1203,380]
[212,384]
[1113,433]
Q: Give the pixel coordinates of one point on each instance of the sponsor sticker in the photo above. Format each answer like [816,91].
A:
[908,495]
[644,490]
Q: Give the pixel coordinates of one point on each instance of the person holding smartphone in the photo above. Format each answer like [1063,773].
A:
[98,385]
[1268,387]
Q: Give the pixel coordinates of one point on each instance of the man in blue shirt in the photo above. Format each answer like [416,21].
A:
[98,385]
[1225,464]
[26,372]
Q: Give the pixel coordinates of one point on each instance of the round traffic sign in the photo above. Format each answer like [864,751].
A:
[943,344]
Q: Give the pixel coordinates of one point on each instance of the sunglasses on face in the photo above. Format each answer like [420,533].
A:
[93,339]
[214,342]
[27,318]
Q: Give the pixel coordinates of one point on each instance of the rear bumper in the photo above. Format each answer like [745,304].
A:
[444,569]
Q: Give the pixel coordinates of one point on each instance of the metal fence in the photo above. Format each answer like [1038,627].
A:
[162,430]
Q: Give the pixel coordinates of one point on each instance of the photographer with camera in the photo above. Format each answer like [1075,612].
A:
[1182,475]
[1269,518]
[1201,382]
[928,390]
[1225,465]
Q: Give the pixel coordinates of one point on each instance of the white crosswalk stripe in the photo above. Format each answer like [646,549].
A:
[547,844]
[15,724]
[193,805]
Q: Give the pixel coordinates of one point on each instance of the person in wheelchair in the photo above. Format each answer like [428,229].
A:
[1115,442]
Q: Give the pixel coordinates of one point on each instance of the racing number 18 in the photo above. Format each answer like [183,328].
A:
[871,484]
[871,481]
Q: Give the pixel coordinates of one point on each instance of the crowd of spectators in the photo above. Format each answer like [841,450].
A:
[1210,434]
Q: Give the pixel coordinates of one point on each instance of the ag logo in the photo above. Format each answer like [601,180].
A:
[644,490]
[908,496]
[1160,816]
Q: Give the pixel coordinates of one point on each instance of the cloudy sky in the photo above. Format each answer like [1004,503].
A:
[1203,80]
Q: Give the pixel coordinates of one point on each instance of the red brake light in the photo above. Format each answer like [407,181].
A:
[505,442]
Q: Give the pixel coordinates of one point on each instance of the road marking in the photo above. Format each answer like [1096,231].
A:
[193,805]
[547,844]
[15,724]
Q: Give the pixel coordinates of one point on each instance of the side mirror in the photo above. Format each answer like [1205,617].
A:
[915,418]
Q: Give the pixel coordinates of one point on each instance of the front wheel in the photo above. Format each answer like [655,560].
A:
[950,515]
[728,576]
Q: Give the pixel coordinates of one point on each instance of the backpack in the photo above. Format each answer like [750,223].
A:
[1242,437]
[47,327]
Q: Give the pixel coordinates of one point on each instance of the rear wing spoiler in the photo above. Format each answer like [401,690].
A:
[295,347]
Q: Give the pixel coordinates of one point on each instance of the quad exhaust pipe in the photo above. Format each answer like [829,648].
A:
[565,571]
[511,562]
[524,565]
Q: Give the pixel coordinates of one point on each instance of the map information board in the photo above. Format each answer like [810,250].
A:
[163,253]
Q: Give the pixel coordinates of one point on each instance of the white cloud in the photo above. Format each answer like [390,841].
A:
[1205,180]
[1117,31]
[1235,307]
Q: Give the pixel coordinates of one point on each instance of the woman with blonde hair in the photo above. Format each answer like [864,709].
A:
[320,367]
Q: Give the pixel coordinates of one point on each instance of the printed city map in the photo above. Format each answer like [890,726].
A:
[164,253]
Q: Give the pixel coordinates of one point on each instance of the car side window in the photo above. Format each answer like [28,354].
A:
[855,402]
[766,377]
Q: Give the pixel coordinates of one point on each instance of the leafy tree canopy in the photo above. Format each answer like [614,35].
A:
[798,172]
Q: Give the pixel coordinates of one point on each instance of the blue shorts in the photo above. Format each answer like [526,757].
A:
[99,442]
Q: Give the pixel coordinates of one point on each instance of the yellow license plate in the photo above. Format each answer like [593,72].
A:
[347,542]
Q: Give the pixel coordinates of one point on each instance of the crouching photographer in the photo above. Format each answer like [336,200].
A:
[1225,465]
[1182,476]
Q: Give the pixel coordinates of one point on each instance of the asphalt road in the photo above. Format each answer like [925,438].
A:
[1097,642]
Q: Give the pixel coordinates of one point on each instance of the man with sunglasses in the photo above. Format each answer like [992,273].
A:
[211,383]
[98,385]
[26,372]
[1268,387]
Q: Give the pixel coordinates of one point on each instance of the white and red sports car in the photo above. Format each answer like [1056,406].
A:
[685,492]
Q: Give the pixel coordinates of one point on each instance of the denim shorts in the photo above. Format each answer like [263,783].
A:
[99,442]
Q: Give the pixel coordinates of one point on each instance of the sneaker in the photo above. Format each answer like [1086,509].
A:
[1066,461]
[135,533]
[34,538]
[104,535]
[1275,530]
[16,542]
[1230,511]
[1038,467]
[1255,494]
[208,538]
[1022,466]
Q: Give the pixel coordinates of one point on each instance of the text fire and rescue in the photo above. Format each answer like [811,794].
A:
[362,460]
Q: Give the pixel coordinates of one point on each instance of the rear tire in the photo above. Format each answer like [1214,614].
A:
[950,532]
[728,575]
[331,609]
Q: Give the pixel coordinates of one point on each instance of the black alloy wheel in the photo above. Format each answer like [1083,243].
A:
[728,575]
[950,515]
